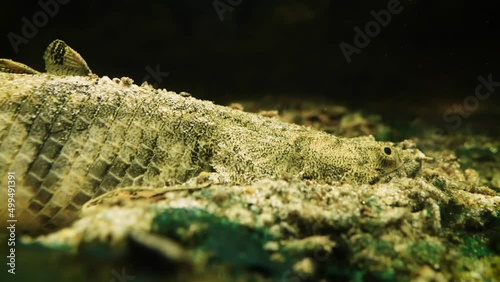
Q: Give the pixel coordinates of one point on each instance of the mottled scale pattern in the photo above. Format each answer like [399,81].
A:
[88,144]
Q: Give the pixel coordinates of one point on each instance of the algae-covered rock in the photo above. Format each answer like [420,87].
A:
[301,230]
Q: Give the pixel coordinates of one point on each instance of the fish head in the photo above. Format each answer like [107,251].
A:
[402,159]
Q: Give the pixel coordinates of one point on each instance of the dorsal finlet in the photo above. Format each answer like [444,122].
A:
[60,59]
[10,66]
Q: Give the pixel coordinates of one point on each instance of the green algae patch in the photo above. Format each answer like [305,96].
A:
[439,183]
[476,246]
[384,265]
[219,240]
[427,252]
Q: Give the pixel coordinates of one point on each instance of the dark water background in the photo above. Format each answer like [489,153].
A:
[424,62]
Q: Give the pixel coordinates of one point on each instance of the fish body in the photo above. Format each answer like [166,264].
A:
[69,139]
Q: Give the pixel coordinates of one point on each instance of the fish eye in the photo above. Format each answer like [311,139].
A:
[387,150]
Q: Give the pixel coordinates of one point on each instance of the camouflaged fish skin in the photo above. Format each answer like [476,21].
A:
[71,138]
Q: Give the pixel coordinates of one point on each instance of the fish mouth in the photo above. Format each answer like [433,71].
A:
[409,167]
[411,160]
